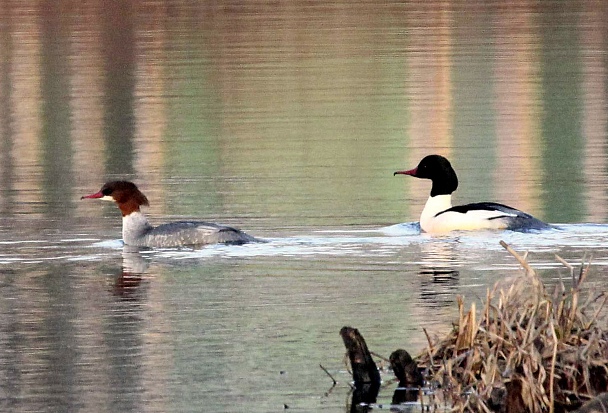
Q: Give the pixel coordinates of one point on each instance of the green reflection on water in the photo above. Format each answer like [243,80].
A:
[562,121]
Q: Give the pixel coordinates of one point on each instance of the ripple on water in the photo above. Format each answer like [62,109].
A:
[361,242]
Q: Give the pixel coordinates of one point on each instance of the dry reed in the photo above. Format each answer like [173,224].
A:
[527,350]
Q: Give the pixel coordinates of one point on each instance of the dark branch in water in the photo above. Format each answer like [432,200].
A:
[329,374]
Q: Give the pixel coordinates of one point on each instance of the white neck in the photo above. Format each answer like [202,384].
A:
[134,228]
[434,205]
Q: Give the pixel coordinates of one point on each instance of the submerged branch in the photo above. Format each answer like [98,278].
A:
[329,374]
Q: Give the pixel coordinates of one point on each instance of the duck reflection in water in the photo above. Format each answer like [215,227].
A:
[127,283]
[439,276]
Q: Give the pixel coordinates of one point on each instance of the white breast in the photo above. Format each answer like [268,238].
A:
[134,228]
[433,206]
[456,221]
[472,220]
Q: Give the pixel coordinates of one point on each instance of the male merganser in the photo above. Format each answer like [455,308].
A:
[439,216]
[137,231]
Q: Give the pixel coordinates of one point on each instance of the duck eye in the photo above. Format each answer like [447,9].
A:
[106,191]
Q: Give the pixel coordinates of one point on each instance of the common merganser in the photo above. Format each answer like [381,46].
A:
[137,231]
[439,216]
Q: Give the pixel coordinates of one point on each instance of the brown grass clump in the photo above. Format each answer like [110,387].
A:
[531,350]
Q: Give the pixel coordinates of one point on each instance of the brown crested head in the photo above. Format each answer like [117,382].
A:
[124,193]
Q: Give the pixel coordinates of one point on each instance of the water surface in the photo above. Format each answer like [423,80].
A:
[286,120]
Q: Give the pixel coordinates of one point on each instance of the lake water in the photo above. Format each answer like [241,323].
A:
[286,119]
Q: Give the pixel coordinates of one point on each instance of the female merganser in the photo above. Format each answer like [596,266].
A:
[137,231]
[439,216]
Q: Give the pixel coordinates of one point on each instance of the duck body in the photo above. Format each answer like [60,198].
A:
[439,216]
[137,231]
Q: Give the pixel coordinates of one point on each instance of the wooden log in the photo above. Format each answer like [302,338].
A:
[410,378]
[364,368]
[365,373]
[405,369]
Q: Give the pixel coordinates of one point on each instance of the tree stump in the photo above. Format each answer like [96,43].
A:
[365,373]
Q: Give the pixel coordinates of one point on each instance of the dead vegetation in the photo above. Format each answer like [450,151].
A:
[529,349]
